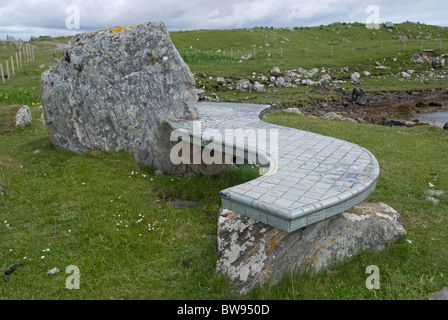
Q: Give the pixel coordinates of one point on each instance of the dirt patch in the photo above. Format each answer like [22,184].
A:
[381,106]
[8,118]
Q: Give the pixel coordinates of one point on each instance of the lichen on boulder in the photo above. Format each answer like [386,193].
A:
[112,90]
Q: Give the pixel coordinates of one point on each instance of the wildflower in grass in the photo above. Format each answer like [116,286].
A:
[441,275]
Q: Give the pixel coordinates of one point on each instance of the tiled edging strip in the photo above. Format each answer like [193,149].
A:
[313,177]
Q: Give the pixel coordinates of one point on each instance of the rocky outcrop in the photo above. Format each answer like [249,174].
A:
[252,253]
[112,90]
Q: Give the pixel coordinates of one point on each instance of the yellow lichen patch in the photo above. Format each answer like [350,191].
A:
[272,244]
[355,211]
[230,214]
[118,29]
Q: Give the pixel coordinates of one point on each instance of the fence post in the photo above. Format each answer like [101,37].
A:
[7,69]
[381,46]
[12,66]
[421,46]
[20,58]
[353,49]
[17,62]
[1,70]
[332,51]
[32,53]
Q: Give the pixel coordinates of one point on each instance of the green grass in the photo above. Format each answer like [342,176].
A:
[92,212]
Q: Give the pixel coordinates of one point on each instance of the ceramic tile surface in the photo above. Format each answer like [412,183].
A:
[310,177]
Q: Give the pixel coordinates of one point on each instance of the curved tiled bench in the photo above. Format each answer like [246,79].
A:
[313,177]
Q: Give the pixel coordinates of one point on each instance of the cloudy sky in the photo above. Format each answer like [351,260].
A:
[25,18]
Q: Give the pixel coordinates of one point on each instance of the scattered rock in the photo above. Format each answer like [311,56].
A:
[280,82]
[334,116]
[294,110]
[389,25]
[416,57]
[258,87]
[246,56]
[106,93]
[358,96]
[244,85]
[308,82]
[433,200]
[355,78]
[304,73]
[275,72]
[420,104]
[392,123]
[405,75]
[251,253]
[324,81]
[438,62]
[23,117]
[436,193]
[53,271]
[340,90]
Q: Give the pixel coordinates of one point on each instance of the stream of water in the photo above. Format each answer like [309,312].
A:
[435,118]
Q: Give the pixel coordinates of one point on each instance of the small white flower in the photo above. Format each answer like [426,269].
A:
[43,257]
[24,258]
[48,250]
[10,250]
[410,241]
[430,185]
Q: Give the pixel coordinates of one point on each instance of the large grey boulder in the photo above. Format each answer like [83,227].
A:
[252,253]
[112,91]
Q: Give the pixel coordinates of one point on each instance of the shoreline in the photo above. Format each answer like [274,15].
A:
[378,106]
